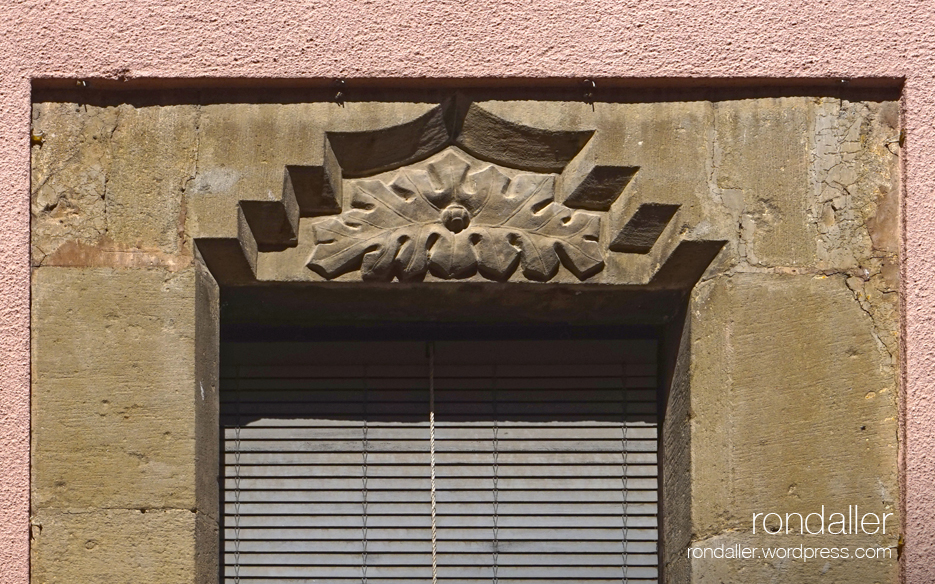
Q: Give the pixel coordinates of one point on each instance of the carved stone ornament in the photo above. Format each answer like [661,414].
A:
[456,218]
[457,192]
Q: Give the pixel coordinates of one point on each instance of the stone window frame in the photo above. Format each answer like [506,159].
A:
[460,134]
[257,226]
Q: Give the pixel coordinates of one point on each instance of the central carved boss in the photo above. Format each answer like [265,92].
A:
[455,217]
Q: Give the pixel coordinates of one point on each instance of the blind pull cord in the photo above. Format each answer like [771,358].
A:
[431,353]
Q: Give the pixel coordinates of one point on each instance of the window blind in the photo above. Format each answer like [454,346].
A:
[545,462]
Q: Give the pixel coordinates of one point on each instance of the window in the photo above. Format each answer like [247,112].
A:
[545,463]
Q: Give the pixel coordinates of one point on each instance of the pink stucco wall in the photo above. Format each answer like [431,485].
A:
[409,39]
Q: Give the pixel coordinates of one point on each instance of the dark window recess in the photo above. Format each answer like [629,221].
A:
[544,462]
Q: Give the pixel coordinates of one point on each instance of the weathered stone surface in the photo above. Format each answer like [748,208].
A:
[793,403]
[206,404]
[363,153]
[153,159]
[696,155]
[102,197]
[597,187]
[588,172]
[316,189]
[125,425]
[207,549]
[116,389]
[671,143]
[507,140]
[855,204]
[761,153]
[244,148]
[764,175]
[70,170]
[676,453]
[592,180]
[119,546]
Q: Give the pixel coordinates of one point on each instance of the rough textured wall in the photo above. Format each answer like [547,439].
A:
[492,40]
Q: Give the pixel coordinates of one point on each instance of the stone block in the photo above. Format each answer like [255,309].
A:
[124,386]
[70,169]
[793,402]
[205,369]
[122,546]
[669,142]
[153,160]
[207,549]
[761,150]
[245,148]
[675,450]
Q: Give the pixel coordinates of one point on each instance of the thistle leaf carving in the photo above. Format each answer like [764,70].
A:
[453,220]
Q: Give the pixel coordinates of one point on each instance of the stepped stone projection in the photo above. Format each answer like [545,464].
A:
[755,238]
[458,192]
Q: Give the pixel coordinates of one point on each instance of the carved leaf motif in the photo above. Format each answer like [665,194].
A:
[378,223]
[451,256]
[497,256]
[437,183]
[402,250]
[399,230]
[548,232]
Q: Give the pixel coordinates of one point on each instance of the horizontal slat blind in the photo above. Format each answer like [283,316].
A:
[545,462]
